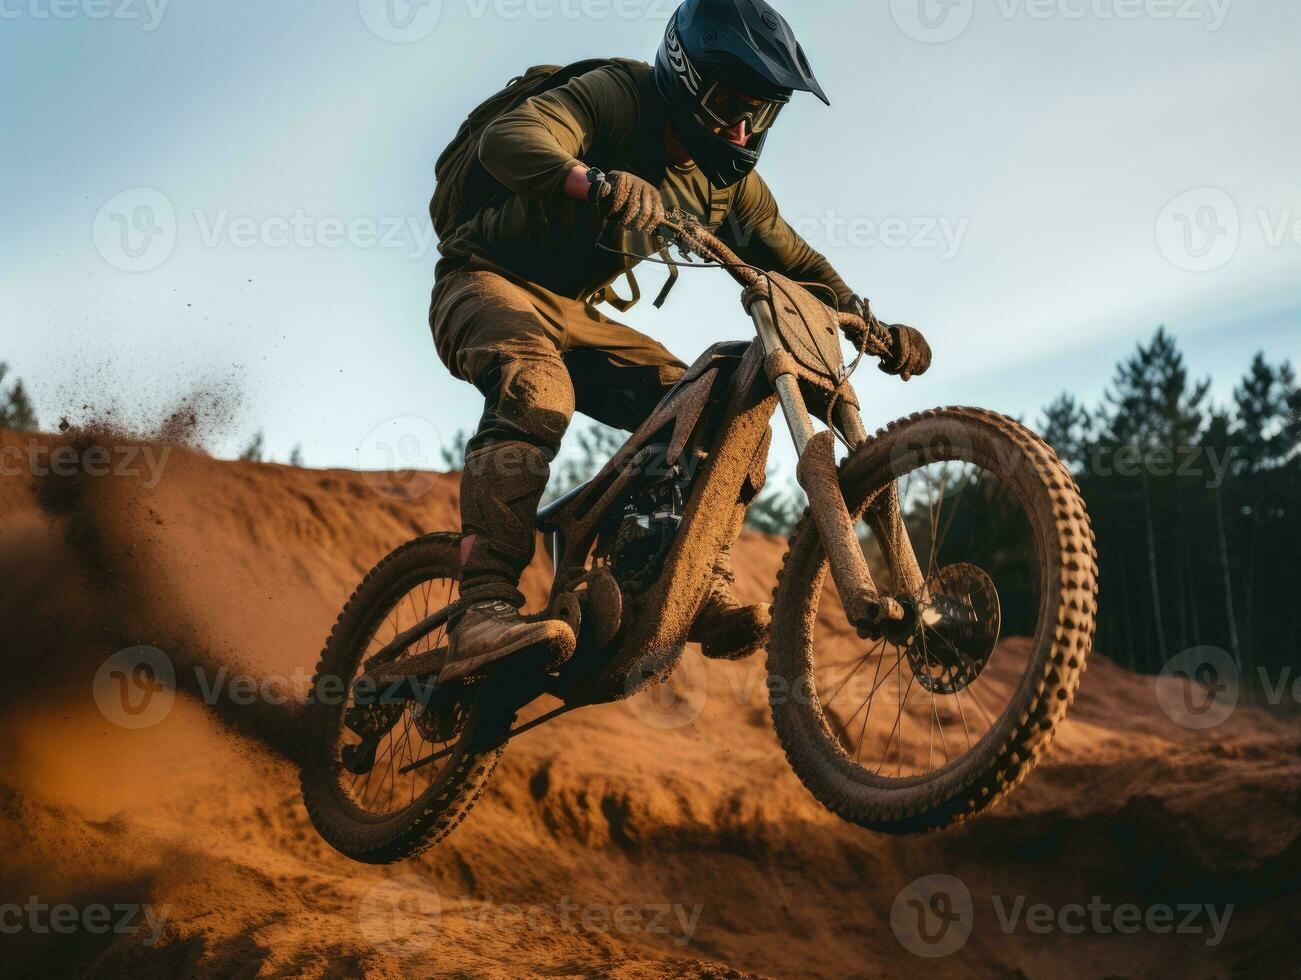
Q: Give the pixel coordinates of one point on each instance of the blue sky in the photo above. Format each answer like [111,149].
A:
[1036,183]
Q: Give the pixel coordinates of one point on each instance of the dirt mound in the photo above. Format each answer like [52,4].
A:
[661,837]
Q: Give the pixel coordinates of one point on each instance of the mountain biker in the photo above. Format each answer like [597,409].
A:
[603,157]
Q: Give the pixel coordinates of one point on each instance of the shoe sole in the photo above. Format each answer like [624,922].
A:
[558,650]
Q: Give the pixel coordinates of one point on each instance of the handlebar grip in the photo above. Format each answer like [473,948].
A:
[872,337]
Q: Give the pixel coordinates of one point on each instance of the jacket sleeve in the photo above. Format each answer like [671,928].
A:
[532,149]
[762,237]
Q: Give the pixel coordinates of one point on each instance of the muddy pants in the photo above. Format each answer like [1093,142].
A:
[536,357]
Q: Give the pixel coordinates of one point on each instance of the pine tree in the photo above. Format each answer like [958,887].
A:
[255,451]
[1067,427]
[1154,411]
[16,410]
[1267,435]
[777,510]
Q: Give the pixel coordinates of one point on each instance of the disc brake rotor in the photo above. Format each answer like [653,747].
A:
[957,630]
[442,719]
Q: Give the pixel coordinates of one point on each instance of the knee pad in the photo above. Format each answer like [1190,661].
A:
[537,398]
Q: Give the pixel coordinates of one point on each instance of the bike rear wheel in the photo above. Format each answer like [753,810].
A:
[379,813]
[941,718]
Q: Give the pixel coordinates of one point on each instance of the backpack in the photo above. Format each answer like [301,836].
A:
[464,187]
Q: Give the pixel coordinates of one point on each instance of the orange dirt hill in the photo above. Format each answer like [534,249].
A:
[613,842]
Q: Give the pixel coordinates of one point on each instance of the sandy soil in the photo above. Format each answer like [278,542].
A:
[609,843]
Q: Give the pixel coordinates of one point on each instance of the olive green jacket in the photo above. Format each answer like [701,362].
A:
[611,118]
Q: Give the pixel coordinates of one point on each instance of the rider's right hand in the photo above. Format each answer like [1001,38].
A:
[632,203]
[910,354]
[906,352]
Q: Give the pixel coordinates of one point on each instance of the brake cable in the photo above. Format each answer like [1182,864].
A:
[681,239]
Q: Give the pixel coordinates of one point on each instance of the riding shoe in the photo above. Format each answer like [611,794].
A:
[494,630]
[725,628]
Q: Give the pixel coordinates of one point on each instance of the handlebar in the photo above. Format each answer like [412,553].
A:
[867,335]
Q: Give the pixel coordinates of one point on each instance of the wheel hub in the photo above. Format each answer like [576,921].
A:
[956,631]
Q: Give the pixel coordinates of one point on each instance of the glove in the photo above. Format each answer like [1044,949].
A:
[860,307]
[909,353]
[631,202]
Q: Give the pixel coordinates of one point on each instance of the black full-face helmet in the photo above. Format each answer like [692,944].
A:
[724,61]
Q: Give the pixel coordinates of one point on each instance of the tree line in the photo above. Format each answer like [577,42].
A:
[1196,505]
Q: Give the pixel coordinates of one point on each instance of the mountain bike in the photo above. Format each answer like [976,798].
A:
[930,622]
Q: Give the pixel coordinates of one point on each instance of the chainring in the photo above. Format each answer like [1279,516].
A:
[443,718]
[957,629]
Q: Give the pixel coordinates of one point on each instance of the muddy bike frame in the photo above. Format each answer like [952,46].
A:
[719,417]
[715,427]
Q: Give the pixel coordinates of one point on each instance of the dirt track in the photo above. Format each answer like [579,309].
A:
[612,842]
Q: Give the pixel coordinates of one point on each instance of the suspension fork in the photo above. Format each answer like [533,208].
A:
[818,475]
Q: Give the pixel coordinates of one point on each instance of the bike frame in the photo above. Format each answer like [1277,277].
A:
[723,407]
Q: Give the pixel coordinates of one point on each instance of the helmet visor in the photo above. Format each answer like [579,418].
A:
[726,107]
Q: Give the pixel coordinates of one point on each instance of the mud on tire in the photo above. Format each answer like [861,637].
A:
[1064,545]
[357,833]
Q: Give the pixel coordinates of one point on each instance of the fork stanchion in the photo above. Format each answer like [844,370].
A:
[788,389]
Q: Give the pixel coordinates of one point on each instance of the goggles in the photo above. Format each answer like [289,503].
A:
[726,107]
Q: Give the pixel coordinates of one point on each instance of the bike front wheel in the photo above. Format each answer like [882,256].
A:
[940,718]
